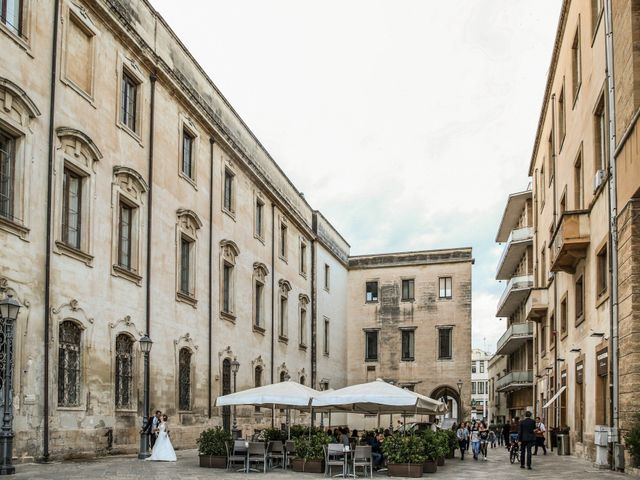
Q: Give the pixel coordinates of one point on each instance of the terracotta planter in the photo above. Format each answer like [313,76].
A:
[213,461]
[452,453]
[441,461]
[309,466]
[430,466]
[409,470]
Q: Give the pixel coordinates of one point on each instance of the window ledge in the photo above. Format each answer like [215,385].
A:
[260,238]
[445,298]
[575,96]
[602,297]
[128,411]
[186,298]
[445,359]
[76,88]
[130,132]
[408,300]
[326,354]
[258,329]
[228,316]
[370,302]
[19,41]
[284,259]
[119,271]
[412,359]
[327,290]
[302,347]
[579,320]
[283,339]
[303,274]
[371,360]
[188,179]
[230,213]
[14,228]
[64,249]
[79,408]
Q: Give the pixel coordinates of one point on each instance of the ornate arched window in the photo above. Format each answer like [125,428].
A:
[124,371]
[228,253]
[184,379]
[69,338]
[303,301]
[283,310]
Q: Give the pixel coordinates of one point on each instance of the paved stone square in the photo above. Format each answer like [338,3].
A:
[497,467]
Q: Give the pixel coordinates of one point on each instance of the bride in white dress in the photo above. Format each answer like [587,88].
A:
[163,450]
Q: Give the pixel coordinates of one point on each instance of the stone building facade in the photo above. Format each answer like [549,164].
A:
[585,229]
[498,412]
[133,200]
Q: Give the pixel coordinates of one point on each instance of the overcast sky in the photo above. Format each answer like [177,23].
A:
[407,123]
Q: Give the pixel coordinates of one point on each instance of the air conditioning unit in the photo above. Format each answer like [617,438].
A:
[598,179]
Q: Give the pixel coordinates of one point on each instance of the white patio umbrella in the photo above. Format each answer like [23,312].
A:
[378,397]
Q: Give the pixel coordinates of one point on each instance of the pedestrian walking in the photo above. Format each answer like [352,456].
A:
[506,429]
[527,437]
[462,434]
[475,441]
[540,440]
[483,433]
[492,438]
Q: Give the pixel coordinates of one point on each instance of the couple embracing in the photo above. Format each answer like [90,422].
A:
[161,447]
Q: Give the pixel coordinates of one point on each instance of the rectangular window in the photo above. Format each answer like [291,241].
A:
[282,330]
[128,102]
[303,326]
[408,340]
[602,271]
[325,346]
[7,176]
[601,136]
[327,272]
[543,266]
[258,311]
[543,188]
[227,270]
[445,343]
[561,118]
[228,191]
[259,218]
[480,388]
[371,291]
[576,63]
[303,257]
[579,300]
[553,329]
[596,11]
[473,388]
[473,367]
[481,366]
[578,183]
[187,153]
[408,289]
[185,265]
[543,336]
[563,316]
[371,345]
[445,287]
[125,229]
[71,208]
[552,163]
[11,15]
[283,240]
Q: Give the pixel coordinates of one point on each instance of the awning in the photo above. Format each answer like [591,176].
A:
[287,394]
[553,399]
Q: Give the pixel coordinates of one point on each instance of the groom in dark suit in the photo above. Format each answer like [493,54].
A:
[152,427]
[527,438]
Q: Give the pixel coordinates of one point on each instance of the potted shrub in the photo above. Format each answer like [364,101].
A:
[453,443]
[310,453]
[212,449]
[442,444]
[431,452]
[405,455]
[273,434]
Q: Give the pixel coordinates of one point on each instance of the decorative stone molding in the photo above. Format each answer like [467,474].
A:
[73,308]
[128,325]
[285,286]
[130,182]
[229,250]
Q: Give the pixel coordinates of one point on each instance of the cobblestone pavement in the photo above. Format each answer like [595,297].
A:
[497,467]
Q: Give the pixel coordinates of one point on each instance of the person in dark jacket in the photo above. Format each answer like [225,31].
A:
[527,437]
[505,433]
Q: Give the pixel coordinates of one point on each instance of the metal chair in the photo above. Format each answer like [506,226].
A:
[289,451]
[275,451]
[362,458]
[333,457]
[258,454]
[238,454]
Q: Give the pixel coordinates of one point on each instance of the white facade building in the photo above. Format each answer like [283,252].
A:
[479,383]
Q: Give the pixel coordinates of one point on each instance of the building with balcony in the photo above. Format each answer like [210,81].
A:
[515,267]
[479,384]
[497,410]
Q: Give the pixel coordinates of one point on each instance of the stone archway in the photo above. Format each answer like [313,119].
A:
[446,393]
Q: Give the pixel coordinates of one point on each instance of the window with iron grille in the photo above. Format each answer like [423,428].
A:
[71,208]
[259,215]
[227,271]
[228,191]
[187,153]
[125,229]
[128,102]
[7,176]
[69,335]
[371,345]
[184,379]
[11,15]
[185,265]
[408,345]
[445,344]
[124,371]
[408,286]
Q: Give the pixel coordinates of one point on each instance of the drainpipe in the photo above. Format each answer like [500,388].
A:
[613,227]
[153,79]
[211,144]
[555,283]
[47,268]
[273,287]
[314,300]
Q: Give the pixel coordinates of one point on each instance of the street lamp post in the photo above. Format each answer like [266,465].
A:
[460,411]
[235,366]
[145,347]
[9,309]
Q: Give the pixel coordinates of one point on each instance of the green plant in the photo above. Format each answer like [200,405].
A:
[430,445]
[452,439]
[399,448]
[302,430]
[213,441]
[632,440]
[273,434]
[311,447]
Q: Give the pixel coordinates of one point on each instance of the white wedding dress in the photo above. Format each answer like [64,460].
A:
[163,450]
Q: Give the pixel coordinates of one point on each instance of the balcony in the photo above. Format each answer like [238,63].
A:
[570,241]
[515,248]
[515,380]
[516,292]
[516,335]
[516,203]
[537,305]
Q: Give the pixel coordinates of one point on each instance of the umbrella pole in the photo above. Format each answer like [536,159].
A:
[273,415]
[288,419]
[378,419]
